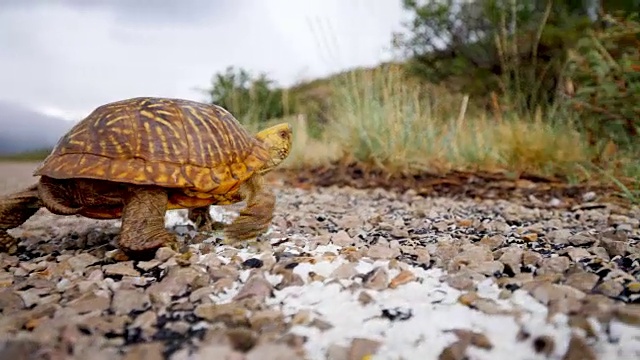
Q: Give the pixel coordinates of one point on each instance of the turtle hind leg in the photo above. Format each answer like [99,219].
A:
[256,217]
[15,209]
[203,221]
[143,228]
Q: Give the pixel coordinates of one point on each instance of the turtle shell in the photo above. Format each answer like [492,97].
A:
[167,142]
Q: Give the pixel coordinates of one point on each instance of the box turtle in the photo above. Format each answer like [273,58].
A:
[135,159]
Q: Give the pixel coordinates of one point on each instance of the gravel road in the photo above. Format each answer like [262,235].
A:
[342,274]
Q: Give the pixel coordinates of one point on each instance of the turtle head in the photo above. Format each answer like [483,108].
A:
[278,139]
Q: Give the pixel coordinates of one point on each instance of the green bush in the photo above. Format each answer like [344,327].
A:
[251,99]
[603,74]
[512,49]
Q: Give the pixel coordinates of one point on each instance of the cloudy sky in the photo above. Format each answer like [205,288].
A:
[65,57]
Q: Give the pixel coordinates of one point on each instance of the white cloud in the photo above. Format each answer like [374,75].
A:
[68,59]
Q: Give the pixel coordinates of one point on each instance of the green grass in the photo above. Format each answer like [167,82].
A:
[27,156]
[383,120]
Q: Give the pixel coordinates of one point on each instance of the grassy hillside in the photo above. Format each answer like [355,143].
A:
[381,118]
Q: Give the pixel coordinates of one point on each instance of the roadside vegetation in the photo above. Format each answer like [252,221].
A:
[515,87]
[542,90]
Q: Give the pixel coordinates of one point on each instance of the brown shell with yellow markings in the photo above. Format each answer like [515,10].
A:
[172,143]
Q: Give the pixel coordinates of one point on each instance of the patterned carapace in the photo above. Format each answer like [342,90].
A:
[158,141]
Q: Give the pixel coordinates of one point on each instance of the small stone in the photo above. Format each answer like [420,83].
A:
[512,260]
[381,252]
[441,226]
[212,351]
[579,350]
[175,283]
[583,281]
[530,237]
[423,256]
[633,287]
[164,253]
[589,196]
[493,242]
[267,351]
[445,251]
[404,277]
[341,238]
[124,268]
[201,293]
[474,338]
[81,261]
[600,252]
[242,339]
[98,324]
[581,240]
[145,321]
[364,298]
[558,265]
[127,301]
[10,301]
[399,233]
[231,313]
[376,279]
[625,227]
[487,268]
[337,352]
[257,287]
[487,306]
[19,349]
[148,265]
[609,288]
[559,236]
[90,302]
[463,280]
[577,254]
[267,320]
[302,317]
[580,322]
[210,260]
[289,278]
[468,298]
[321,324]
[531,258]
[454,351]
[362,348]
[471,254]
[151,350]
[614,248]
[628,314]
[345,271]
[349,222]
[253,263]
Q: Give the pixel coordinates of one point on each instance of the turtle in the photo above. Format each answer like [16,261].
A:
[135,159]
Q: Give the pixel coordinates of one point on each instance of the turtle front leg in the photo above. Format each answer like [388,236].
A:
[143,229]
[15,209]
[256,217]
[201,217]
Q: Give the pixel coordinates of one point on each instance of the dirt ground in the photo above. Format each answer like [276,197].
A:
[14,175]
[343,274]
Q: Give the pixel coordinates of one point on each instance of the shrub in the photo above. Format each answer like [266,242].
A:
[603,82]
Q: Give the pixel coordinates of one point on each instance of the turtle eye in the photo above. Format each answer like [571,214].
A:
[283,134]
